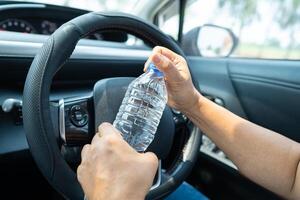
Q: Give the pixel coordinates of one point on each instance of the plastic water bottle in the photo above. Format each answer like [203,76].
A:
[142,108]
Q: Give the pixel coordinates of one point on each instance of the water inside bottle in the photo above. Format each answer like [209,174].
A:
[142,108]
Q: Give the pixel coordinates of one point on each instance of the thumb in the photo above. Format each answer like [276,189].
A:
[166,66]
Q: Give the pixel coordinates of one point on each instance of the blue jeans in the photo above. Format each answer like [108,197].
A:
[187,192]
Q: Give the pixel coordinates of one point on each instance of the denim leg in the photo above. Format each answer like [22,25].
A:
[187,192]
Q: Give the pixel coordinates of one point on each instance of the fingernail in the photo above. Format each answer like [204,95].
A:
[156,58]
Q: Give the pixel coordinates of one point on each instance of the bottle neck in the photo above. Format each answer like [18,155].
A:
[152,68]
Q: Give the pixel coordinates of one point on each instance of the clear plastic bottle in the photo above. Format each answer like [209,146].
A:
[142,108]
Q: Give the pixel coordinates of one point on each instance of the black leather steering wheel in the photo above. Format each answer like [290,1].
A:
[46,123]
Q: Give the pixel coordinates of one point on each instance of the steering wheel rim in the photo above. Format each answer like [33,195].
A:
[36,112]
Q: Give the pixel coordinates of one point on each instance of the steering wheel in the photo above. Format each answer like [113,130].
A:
[51,126]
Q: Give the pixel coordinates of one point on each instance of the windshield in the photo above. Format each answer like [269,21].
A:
[128,6]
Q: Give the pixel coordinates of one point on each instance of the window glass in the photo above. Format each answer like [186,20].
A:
[265,28]
[168,19]
[95,5]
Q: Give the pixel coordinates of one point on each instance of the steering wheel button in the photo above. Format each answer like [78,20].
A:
[78,116]
[76,107]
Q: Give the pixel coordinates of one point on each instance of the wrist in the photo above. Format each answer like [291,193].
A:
[196,104]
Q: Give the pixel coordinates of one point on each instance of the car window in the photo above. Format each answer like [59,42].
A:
[126,6]
[265,29]
[168,19]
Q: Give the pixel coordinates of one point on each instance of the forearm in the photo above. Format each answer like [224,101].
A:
[262,155]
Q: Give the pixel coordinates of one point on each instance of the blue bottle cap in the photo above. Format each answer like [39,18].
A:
[153,68]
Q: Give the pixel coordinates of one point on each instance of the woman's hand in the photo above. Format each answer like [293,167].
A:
[182,94]
[111,169]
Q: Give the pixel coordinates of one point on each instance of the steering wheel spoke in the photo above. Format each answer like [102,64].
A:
[76,120]
[158,177]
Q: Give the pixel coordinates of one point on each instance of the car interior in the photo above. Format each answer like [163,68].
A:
[58,57]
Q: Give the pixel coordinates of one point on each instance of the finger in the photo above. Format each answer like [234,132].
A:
[166,52]
[107,128]
[165,65]
[163,51]
[84,151]
[104,130]
[79,173]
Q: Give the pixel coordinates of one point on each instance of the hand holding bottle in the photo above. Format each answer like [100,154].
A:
[182,94]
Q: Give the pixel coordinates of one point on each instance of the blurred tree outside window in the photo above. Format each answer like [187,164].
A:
[265,28]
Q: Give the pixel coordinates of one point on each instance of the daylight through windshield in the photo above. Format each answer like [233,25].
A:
[94,5]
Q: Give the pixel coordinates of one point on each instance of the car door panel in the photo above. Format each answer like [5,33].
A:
[262,91]
[213,78]
[269,92]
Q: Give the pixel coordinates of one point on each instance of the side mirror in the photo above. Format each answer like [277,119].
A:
[209,41]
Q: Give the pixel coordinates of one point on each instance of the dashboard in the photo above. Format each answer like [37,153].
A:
[35,18]
[38,26]
[42,26]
